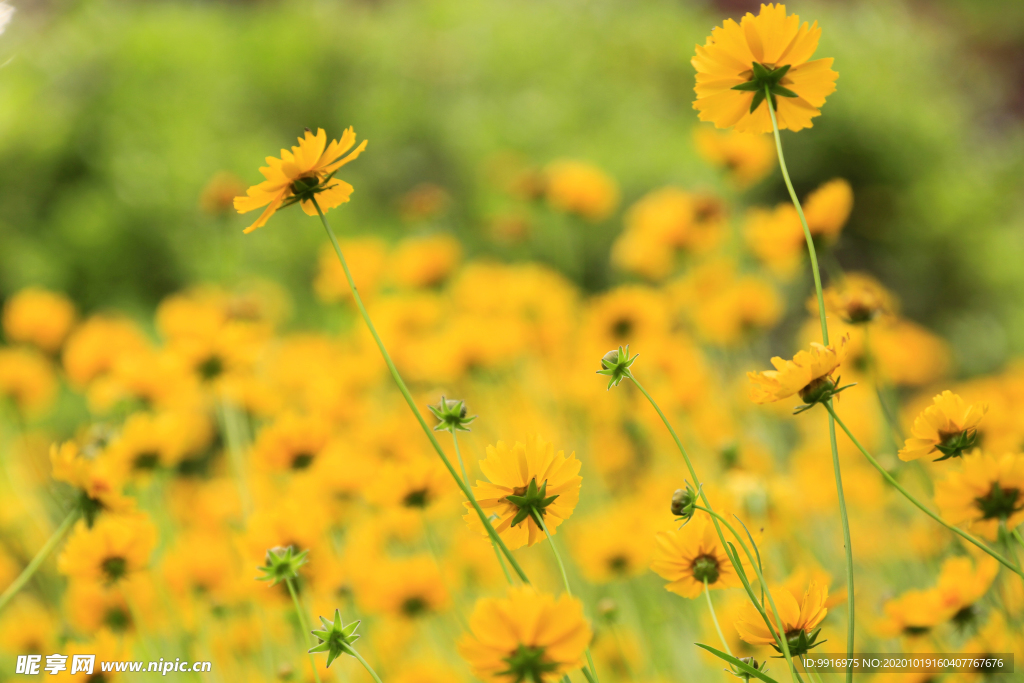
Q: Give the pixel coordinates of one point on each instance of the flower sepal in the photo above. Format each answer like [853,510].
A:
[451,416]
[800,643]
[616,364]
[282,564]
[752,663]
[820,390]
[335,638]
[765,78]
[954,445]
[531,502]
[528,663]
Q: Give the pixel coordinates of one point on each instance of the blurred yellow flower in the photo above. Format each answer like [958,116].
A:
[27,378]
[367,256]
[746,157]
[582,189]
[422,262]
[416,484]
[38,317]
[610,546]
[799,618]
[948,426]
[526,636]
[408,588]
[689,556]
[857,298]
[962,583]
[913,614]
[986,492]
[510,471]
[308,167]
[115,548]
[808,372]
[772,49]
[95,476]
[827,209]
[94,346]
[217,197]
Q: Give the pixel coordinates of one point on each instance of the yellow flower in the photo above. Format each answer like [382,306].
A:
[307,168]
[985,492]
[914,613]
[858,298]
[908,354]
[689,556]
[94,476]
[808,372]
[421,262]
[527,636]
[38,317]
[747,158]
[827,209]
[799,618]
[949,426]
[218,196]
[415,484]
[609,546]
[114,548]
[577,187]
[27,378]
[94,346]
[962,583]
[27,627]
[407,588]
[770,49]
[291,443]
[367,258]
[533,468]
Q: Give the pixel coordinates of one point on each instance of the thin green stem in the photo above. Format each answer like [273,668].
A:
[848,548]
[714,618]
[715,518]
[233,434]
[303,624]
[778,634]
[369,669]
[44,552]
[465,478]
[1016,535]
[906,494]
[539,518]
[409,400]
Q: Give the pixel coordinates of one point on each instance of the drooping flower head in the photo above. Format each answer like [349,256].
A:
[809,374]
[739,60]
[948,427]
[691,555]
[525,637]
[800,619]
[305,172]
[526,481]
[986,492]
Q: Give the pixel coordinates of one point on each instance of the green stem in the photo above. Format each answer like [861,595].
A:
[40,557]
[233,434]
[1016,534]
[369,669]
[714,618]
[409,400]
[539,518]
[848,548]
[715,518]
[906,494]
[465,478]
[778,634]
[304,625]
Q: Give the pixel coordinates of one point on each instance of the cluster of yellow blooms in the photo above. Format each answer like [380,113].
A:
[225,442]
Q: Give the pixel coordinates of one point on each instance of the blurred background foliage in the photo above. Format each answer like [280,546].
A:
[115,115]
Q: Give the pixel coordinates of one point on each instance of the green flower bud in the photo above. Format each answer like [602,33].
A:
[282,564]
[616,364]
[451,416]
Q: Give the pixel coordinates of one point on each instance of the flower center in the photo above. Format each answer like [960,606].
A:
[210,368]
[114,568]
[147,460]
[301,461]
[1000,503]
[414,606]
[705,568]
[416,499]
[528,663]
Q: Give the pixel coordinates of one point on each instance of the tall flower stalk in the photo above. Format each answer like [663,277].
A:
[847,545]
[29,571]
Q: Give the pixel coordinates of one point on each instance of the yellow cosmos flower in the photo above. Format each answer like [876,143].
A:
[408,588]
[27,379]
[949,426]
[112,550]
[95,477]
[526,636]
[828,208]
[985,493]
[38,317]
[913,614]
[689,556]
[608,546]
[858,298]
[963,582]
[747,158]
[529,474]
[771,49]
[807,374]
[800,618]
[307,168]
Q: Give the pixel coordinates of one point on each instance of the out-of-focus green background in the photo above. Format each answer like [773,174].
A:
[115,115]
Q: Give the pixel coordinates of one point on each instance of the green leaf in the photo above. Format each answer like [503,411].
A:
[742,666]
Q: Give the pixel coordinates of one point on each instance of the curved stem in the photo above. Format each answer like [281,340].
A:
[369,669]
[409,400]
[906,494]
[304,625]
[847,547]
[714,618]
[539,518]
[1016,534]
[778,634]
[715,518]
[40,557]
[465,478]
